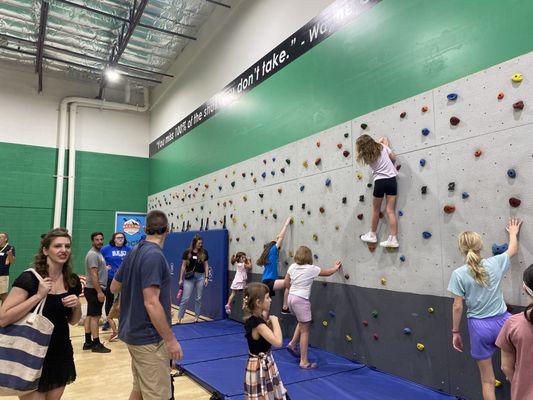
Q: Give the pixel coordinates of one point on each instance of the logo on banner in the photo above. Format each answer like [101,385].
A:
[131,227]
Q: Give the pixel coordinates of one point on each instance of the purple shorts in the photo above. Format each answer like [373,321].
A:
[483,334]
[301,308]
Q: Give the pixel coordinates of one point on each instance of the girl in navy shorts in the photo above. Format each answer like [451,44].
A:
[479,284]
[380,158]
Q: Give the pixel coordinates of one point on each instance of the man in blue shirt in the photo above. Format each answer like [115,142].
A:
[145,320]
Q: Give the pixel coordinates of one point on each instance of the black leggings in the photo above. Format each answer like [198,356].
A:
[109,297]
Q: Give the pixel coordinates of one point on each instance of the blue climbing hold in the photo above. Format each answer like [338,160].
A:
[273,158]
[402,258]
[302,188]
[272,173]
[264,174]
[499,249]
[452,96]
[253,238]
[220,188]
[407,331]
[328,182]
[511,173]
[465,195]
[332,313]
[315,256]
[426,234]
[425,131]
[422,162]
[400,213]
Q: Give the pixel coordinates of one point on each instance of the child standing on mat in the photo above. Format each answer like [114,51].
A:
[380,158]
[269,259]
[261,376]
[516,341]
[299,279]
[479,283]
[239,280]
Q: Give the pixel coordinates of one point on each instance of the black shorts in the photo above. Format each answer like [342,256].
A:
[270,284]
[387,186]
[94,307]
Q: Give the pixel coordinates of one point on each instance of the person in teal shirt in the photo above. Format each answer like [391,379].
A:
[478,283]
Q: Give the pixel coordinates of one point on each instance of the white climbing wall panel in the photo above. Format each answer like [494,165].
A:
[256,195]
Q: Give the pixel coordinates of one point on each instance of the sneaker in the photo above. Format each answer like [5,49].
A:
[112,337]
[100,348]
[391,242]
[369,237]
[228,309]
[87,346]
[105,327]
[285,310]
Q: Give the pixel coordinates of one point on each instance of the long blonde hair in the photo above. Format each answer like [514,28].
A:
[368,150]
[470,245]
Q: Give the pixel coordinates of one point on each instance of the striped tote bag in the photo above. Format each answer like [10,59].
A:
[23,346]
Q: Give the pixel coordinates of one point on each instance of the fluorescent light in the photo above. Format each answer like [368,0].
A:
[112,75]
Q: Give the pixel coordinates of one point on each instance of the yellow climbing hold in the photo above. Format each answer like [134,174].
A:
[305,164]
[325,323]
[431,310]
[497,383]
[315,237]
[302,221]
[245,226]
[420,347]
[245,198]
[383,281]
[348,338]
[291,221]
[517,78]
[337,227]
[359,175]
[234,219]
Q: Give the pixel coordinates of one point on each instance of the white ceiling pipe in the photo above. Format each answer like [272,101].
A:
[76,102]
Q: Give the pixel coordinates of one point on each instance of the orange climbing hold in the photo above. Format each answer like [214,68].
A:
[449,208]
[478,153]
[425,109]
[339,145]
[322,210]
[318,143]
[372,247]
[501,95]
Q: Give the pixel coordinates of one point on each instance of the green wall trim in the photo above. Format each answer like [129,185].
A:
[394,51]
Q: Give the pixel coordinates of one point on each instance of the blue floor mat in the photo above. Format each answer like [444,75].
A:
[206,329]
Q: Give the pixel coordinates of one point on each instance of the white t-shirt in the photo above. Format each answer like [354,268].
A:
[302,277]
[383,167]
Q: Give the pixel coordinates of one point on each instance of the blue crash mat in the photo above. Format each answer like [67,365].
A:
[207,329]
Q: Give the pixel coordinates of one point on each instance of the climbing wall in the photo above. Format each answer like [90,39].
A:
[464,158]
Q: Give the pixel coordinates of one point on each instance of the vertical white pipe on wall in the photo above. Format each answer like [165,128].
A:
[71,166]
[60,163]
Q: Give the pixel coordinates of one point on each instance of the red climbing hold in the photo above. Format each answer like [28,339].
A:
[454,121]
[425,109]
[478,153]
[375,336]
[322,210]
[318,143]
[501,95]
[514,202]
[372,247]
[339,145]
[519,105]
[345,153]
[360,217]
[318,161]
[365,322]
[280,190]
[398,167]
[403,114]
[449,208]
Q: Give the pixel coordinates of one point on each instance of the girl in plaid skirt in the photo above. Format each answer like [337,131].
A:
[261,377]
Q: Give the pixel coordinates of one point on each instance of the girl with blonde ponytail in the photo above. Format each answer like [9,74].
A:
[478,282]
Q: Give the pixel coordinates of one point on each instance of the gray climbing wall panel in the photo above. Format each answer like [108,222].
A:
[257,195]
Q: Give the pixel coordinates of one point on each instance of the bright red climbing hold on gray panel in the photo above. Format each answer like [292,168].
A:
[454,121]
[501,95]
[425,109]
[346,153]
[398,167]
[449,208]
[519,105]
[514,202]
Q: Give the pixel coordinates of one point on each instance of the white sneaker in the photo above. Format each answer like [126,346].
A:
[391,242]
[369,237]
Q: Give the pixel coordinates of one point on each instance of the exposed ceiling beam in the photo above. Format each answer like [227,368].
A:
[218,3]
[40,43]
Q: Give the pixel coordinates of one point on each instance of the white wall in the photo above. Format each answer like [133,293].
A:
[29,118]
[228,44]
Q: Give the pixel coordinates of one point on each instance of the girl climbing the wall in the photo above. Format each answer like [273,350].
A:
[380,158]
[261,376]
[479,284]
[269,259]
[239,281]
[516,341]
[299,279]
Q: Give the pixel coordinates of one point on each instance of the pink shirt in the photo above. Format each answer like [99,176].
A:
[516,337]
[383,167]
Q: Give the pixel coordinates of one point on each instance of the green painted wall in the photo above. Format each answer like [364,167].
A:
[105,183]
[394,51]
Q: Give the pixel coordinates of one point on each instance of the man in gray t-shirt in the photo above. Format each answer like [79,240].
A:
[96,281]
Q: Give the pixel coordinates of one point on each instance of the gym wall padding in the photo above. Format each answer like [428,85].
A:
[215,294]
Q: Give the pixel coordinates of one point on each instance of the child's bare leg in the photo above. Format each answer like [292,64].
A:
[230,298]
[391,215]
[304,343]
[295,338]
[376,208]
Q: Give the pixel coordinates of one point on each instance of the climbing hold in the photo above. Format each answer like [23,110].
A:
[402,258]
[519,105]
[364,126]
[302,187]
[400,213]
[318,161]
[359,175]
[499,249]
[364,322]
[465,195]
[263,175]
[328,182]
[318,143]
[425,109]
[383,281]
[237,239]
[497,383]
[517,77]
[346,135]
[422,162]
[449,209]
[291,207]
[308,212]
[425,131]
[514,202]
[451,186]
[501,95]
[398,167]
[511,173]
[302,221]
[331,313]
[303,206]
[315,256]
[407,331]
[282,170]
[454,121]
[262,211]
[348,338]
[346,276]
[264,162]
[420,347]
[360,217]
[261,195]
[322,210]
[362,198]
[424,189]
[346,153]
[305,164]
[280,190]
[337,227]
[234,219]
[403,114]
[325,323]
[375,313]
[254,180]
[375,336]
[431,310]
[272,173]
[478,153]
[245,198]
[288,161]
[253,238]
[291,254]
[339,145]
[219,188]
[452,96]
[273,158]
[426,234]
[369,185]
[315,237]
[275,216]
[344,200]
[291,221]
